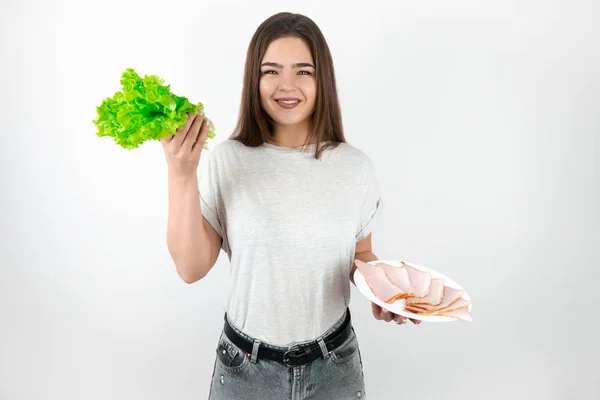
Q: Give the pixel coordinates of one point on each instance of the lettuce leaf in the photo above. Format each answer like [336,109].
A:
[144,110]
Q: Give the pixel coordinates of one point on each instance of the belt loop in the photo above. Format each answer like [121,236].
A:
[255,350]
[323,347]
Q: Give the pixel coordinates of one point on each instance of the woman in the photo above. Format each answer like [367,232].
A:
[292,204]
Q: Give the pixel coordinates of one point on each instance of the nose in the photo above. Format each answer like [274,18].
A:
[286,82]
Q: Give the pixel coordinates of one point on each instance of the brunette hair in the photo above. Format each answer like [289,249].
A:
[254,124]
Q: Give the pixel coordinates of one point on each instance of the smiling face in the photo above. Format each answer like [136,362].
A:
[288,73]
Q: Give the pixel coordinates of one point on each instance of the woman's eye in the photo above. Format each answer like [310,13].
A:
[274,72]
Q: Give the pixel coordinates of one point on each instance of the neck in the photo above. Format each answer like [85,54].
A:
[291,135]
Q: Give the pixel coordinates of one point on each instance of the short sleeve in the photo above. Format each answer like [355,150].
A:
[211,203]
[372,204]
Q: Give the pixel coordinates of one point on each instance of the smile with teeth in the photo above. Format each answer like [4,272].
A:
[288,104]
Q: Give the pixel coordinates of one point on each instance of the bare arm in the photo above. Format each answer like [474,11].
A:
[363,252]
[192,242]
[363,256]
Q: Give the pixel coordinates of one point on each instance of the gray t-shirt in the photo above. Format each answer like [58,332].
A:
[290,224]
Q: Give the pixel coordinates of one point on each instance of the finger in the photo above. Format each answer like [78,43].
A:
[182,132]
[415,321]
[167,139]
[193,132]
[387,315]
[381,313]
[376,309]
[199,145]
[400,318]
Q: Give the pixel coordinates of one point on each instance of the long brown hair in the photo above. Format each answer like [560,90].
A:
[254,124]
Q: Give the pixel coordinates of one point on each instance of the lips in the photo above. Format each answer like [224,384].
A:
[288,102]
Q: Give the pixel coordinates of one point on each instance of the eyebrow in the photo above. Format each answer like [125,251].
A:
[297,65]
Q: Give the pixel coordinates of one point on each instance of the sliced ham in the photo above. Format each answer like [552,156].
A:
[433,297]
[414,309]
[399,277]
[460,303]
[378,282]
[450,296]
[462,314]
[420,281]
[424,295]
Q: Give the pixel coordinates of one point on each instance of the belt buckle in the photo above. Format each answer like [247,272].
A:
[288,353]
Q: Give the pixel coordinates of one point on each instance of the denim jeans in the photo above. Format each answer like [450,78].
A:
[339,376]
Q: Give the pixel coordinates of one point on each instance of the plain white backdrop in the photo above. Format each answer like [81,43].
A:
[482,118]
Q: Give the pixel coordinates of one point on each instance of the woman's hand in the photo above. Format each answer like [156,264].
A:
[383,314]
[182,150]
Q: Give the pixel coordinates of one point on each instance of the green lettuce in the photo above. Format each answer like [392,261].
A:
[144,110]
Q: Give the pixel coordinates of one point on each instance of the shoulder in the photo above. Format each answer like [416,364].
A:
[223,150]
[357,156]
[224,146]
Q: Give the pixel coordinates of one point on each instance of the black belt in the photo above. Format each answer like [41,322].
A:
[297,354]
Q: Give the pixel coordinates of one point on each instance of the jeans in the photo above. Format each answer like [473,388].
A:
[339,376]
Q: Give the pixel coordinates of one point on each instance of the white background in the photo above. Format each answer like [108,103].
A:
[482,118]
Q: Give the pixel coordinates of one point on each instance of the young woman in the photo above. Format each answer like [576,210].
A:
[292,204]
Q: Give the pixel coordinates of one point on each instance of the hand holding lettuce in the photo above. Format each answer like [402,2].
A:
[182,149]
[145,110]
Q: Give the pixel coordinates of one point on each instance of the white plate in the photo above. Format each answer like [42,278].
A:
[397,307]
